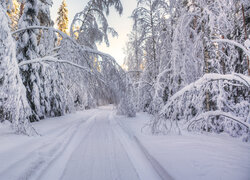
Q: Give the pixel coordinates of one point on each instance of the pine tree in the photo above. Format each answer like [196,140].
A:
[93,24]
[44,12]
[27,49]
[14,15]
[13,103]
[62,20]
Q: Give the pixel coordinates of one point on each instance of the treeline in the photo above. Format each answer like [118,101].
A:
[190,65]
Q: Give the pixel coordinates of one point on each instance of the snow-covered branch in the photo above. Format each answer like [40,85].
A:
[233,43]
[52,59]
[83,48]
[206,102]
[206,115]
[41,27]
[210,77]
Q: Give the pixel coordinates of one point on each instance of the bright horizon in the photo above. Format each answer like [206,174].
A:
[122,24]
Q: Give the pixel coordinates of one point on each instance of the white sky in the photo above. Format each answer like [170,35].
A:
[122,24]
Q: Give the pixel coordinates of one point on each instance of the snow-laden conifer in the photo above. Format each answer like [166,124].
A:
[13,103]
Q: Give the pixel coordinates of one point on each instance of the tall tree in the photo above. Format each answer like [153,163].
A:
[90,26]
[147,23]
[62,19]
[13,103]
[27,49]
[14,15]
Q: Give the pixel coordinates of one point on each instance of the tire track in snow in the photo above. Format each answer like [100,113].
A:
[59,164]
[33,160]
[100,155]
[144,164]
[36,160]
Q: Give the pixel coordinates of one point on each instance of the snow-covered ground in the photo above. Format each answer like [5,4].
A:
[97,144]
[194,156]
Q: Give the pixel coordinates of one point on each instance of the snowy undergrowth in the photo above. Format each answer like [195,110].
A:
[192,155]
[214,103]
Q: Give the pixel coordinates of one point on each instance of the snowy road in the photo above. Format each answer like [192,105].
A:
[100,155]
[93,147]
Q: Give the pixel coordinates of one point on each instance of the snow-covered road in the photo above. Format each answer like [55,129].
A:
[91,147]
[97,144]
[100,155]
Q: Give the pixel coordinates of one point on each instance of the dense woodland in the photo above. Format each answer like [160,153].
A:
[187,64]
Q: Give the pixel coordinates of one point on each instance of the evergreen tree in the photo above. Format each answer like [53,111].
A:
[14,15]
[27,49]
[44,12]
[62,19]
[90,26]
[13,103]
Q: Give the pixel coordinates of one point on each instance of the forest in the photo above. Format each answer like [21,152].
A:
[185,80]
[187,64]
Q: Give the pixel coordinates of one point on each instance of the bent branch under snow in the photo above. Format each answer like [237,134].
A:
[217,113]
[206,78]
[233,43]
[52,59]
[43,28]
[84,48]
[187,105]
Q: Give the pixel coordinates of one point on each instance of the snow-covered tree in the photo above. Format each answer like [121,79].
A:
[182,88]
[44,12]
[90,26]
[27,49]
[147,25]
[13,103]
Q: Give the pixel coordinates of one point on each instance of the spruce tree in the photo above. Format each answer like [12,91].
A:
[13,103]
[14,15]
[62,20]
[27,49]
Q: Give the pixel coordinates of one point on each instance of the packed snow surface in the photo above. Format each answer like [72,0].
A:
[99,145]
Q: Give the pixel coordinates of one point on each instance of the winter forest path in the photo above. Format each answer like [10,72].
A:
[94,147]
[100,155]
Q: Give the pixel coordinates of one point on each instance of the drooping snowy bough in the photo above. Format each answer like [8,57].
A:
[89,76]
[50,73]
[214,103]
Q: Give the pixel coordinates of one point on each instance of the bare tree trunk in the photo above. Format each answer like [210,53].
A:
[222,62]
[21,9]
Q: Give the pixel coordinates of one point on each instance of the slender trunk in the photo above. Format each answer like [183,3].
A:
[245,29]
[222,62]
[21,10]
[206,58]
[136,53]
[153,39]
